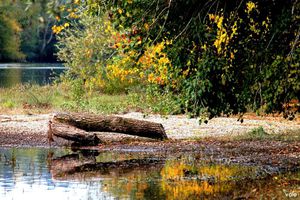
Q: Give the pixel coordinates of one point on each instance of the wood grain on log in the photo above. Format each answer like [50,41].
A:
[79,127]
[72,133]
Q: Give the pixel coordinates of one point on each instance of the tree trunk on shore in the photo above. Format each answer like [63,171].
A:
[77,127]
[72,133]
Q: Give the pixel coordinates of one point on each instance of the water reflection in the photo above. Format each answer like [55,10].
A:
[64,174]
[36,73]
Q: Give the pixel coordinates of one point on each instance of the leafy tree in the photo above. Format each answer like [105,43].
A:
[29,31]
[9,34]
[217,57]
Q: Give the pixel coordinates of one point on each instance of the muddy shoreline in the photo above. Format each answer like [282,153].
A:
[273,156]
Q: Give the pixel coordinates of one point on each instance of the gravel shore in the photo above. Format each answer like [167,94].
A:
[31,130]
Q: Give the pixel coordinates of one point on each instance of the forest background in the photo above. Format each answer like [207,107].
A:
[204,58]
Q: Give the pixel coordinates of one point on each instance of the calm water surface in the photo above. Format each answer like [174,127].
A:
[35,173]
[34,73]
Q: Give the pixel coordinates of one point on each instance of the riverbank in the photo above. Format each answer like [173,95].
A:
[274,143]
[31,130]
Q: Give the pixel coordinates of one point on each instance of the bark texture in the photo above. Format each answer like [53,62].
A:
[77,127]
[72,133]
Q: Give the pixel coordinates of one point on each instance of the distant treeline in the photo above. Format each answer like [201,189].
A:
[25,32]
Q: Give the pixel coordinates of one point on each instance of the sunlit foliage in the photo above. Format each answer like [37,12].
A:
[216,57]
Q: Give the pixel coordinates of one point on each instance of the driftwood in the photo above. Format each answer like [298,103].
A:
[78,127]
[72,133]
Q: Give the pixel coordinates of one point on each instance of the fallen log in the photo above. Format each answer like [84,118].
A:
[72,133]
[77,127]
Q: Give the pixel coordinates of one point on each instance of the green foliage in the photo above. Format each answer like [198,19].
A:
[213,58]
[257,133]
[34,99]
[9,35]
[83,48]
[8,104]
[37,39]
[37,99]
[25,31]
[155,100]
[78,95]
[31,97]
[260,134]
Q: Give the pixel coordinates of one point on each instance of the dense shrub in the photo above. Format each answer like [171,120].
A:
[216,57]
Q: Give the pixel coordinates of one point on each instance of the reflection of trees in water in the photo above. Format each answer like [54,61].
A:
[127,175]
[151,178]
[181,180]
[10,77]
[139,175]
[23,165]
[88,164]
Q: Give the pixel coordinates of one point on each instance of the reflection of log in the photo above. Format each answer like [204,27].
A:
[70,162]
[76,127]
[78,166]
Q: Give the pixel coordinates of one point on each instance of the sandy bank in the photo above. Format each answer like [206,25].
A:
[31,130]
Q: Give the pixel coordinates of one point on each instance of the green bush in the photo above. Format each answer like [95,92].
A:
[8,104]
[218,58]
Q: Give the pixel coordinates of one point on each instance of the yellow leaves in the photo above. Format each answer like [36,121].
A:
[57,29]
[122,69]
[146,26]
[266,23]
[151,78]
[15,25]
[108,27]
[163,61]
[222,38]
[219,22]
[73,15]
[231,56]
[142,75]
[186,72]
[168,42]
[204,47]
[156,62]
[129,1]
[211,17]
[88,53]
[221,41]
[225,33]
[120,11]
[234,30]
[152,67]
[216,19]
[250,7]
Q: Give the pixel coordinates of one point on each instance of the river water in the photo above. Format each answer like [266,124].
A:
[54,174]
[33,73]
